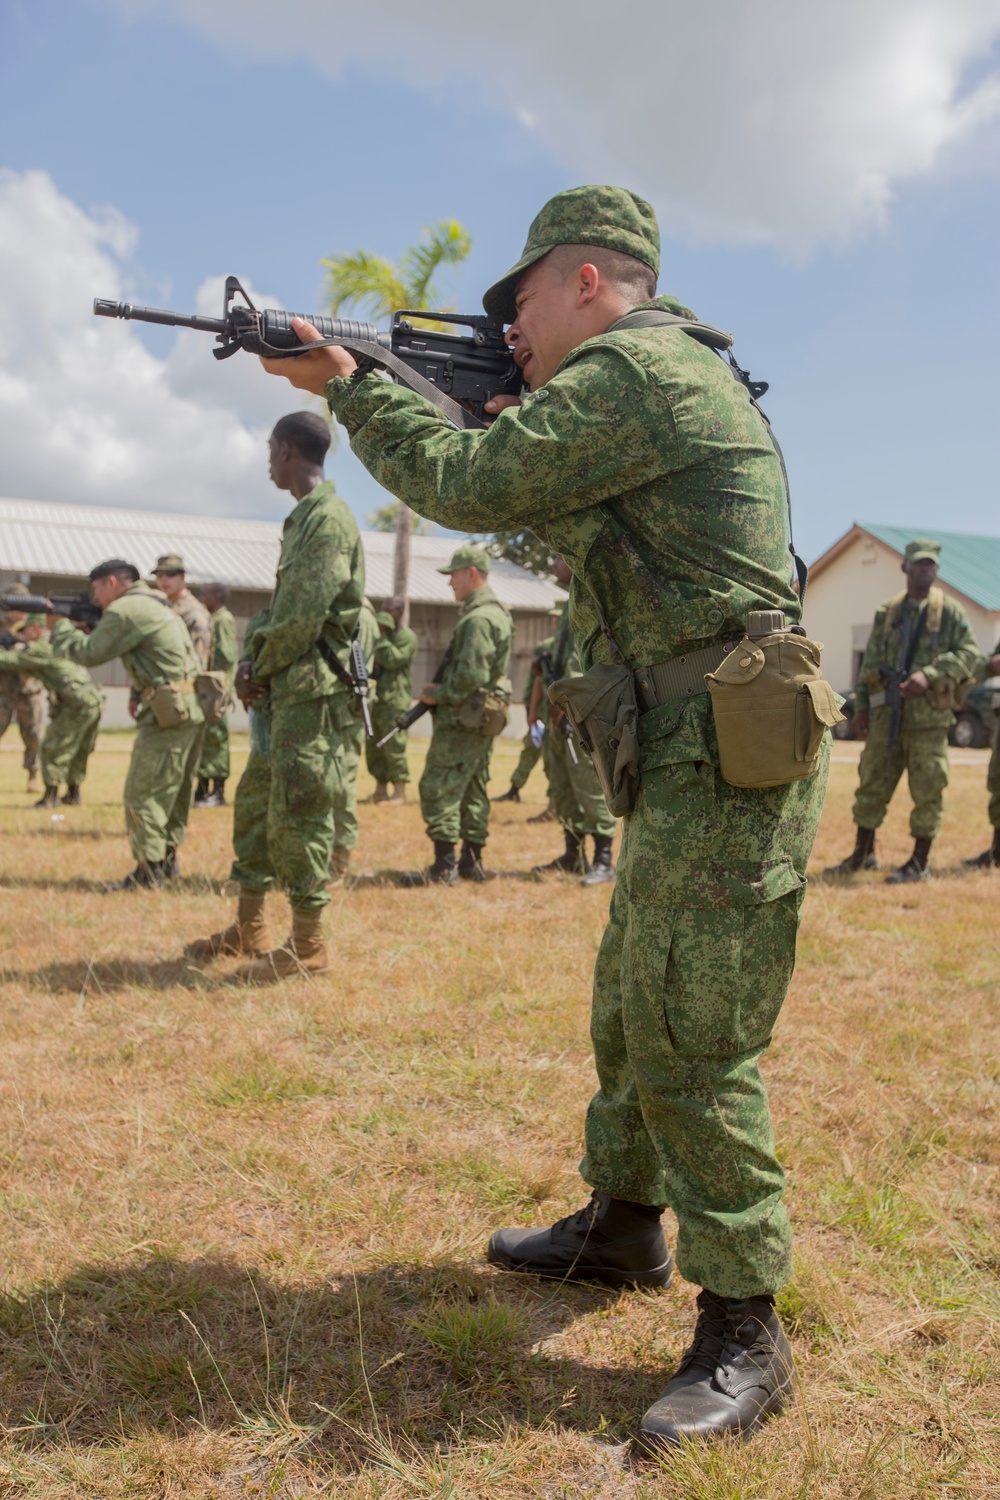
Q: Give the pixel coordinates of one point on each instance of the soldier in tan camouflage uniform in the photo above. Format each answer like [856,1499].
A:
[23,698]
[170,579]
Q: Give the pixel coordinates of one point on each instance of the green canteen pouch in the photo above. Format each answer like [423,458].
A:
[487,710]
[170,703]
[948,692]
[212,691]
[601,706]
[772,709]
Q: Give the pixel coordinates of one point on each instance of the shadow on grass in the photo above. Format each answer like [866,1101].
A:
[400,880]
[400,1354]
[111,975]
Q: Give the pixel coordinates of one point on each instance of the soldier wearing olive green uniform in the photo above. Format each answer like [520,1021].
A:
[531,746]
[156,652]
[23,698]
[215,748]
[989,666]
[74,714]
[394,652]
[345,811]
[642,461]
[928,645]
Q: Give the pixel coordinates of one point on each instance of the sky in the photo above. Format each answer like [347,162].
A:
[826,179]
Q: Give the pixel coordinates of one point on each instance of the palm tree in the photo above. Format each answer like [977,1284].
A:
[369,283]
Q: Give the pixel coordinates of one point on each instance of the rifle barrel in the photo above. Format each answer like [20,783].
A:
[105,307]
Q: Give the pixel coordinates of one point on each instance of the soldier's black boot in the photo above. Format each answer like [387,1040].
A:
[512,795]
[602,871]
[200,792]
[217,796]
[72,795]
[572,862]
[470,863]
[915,867]
[441,872]
[49,797]
[609,1240]
[989,859]
[145,877]
[862,857]
[170,867]
[737,1373]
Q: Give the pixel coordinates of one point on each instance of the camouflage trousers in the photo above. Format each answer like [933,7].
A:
[690,977]
[575,790]
[215,752]
[993,780]
[158,787]
[923,754]
[389,763]
[345,807]
[454,802]
[70,737]
[283,811]
[28,710]
[527,761]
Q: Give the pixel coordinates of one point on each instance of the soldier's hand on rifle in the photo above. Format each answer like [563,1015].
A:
[914,686]
[556,716]
[496,406]
[428,693]
[310,372]
[860,724]
[247,691]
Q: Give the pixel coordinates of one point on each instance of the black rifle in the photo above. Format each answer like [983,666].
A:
[549,676]
[894,677]
[356,681]
[445,367]
[76,607]
[416,710]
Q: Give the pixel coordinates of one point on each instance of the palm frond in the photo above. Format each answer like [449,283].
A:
[447,243]
[363,282]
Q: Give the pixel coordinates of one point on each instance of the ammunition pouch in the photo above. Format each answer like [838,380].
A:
[601,706]
[772,709]
[487,710]
[214,695]
[170,703]
[948,692]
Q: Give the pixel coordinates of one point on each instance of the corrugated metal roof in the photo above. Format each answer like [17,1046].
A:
[39,537]
[970,564]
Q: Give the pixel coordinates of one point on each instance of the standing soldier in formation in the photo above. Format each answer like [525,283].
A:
[573,785]
[921,644]
[170,579]
[23,698]
[303,714]
[454,801]
[214,766]
[394,652]
[989,666]
[156,651]
[531,745]
[345,807]
[74,712]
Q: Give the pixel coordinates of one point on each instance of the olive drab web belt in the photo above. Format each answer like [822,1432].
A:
[187,686]
[680,677]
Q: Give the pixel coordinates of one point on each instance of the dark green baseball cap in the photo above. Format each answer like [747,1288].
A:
[609,217]
[469,556]
[385,620]
[923,549]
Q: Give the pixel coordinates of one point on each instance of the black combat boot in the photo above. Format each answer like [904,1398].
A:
[736,1373]
[470,863]
[441,872]
[217,796]
[145,877]
[862,857]
[170,867]
[915,867]
[49,797]
[572,862]
[609,1240]
[72,795]
[513,795]
[602,871]
[200,792]
[989,859]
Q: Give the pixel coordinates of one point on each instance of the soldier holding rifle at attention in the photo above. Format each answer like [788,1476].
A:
[920,656]
[639,457]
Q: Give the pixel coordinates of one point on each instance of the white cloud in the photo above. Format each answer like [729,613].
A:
[783,122]
[87,413]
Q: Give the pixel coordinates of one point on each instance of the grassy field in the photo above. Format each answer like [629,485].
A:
[242,1230]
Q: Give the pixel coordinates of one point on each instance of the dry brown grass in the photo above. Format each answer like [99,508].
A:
[243,1230]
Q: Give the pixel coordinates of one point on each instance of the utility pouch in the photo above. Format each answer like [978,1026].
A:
[948,692]
[601,706]
[213,694]
[487,710]
[772,708]
[170,703]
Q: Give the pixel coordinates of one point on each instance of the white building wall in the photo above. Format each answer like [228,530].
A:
[842,599]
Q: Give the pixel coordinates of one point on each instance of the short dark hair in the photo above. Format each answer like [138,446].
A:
[117,566]
[220,590]
[631,278]
[306,432]
[390,606]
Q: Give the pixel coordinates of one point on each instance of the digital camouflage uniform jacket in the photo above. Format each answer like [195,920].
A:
[394,653]
[224,652]
[150,638]
[62,678]
[199,627]
[954,654]
[478,656]
[319,588]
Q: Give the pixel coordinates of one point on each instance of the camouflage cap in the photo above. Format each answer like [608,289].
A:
[16,588]
[923,549]
[468,556]
[170,562]
[385,620]
[610,217]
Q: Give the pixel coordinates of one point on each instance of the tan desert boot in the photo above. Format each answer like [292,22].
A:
[302,953]
[398,793]
[247,937]
[34,782]
[340,863]
[381,792]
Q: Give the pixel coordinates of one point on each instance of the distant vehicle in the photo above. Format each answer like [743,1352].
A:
[974,726]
